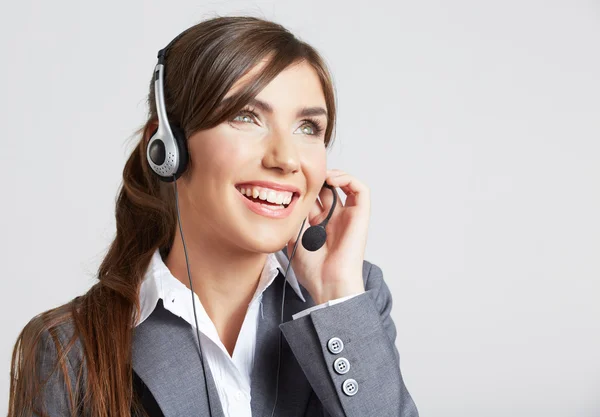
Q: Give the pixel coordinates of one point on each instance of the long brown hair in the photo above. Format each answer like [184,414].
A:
[200,68]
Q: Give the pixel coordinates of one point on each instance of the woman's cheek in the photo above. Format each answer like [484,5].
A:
[316,169]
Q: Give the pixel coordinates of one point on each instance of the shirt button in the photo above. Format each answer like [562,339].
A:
[341,365]
[335,345]
[239,395]
[350,387]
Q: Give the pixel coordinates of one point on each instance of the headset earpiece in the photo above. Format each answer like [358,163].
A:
[181,142]
[167,154]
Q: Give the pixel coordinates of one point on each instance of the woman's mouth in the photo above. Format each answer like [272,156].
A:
[268,202]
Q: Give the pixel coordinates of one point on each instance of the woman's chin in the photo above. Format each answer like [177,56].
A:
[270,247]
[264,243]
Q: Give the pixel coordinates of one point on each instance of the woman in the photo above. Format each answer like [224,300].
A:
[251,110]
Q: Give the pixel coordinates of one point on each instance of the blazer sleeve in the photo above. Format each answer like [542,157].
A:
[361,333]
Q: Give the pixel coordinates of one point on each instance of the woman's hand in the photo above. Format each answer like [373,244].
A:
[335,270]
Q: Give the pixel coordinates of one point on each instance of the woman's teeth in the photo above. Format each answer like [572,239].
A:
[266,194]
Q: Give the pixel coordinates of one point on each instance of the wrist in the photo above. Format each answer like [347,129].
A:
[328,293]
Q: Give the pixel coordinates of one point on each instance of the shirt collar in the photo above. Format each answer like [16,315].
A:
[151,289]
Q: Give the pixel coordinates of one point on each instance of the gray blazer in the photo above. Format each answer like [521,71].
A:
[166,359]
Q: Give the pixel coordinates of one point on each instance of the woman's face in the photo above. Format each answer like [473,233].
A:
[268,148]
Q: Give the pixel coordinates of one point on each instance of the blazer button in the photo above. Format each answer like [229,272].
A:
[350,387]
[341,365]
[335,345]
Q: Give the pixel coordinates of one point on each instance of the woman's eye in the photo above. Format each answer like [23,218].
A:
[312,128]
[244,118]
[307,129]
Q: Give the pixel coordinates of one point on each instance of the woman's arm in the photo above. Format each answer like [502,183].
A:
[365,328]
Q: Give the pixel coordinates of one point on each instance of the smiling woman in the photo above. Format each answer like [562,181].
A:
[233,152]
[270,142]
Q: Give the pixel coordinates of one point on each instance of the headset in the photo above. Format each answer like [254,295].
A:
[167,155]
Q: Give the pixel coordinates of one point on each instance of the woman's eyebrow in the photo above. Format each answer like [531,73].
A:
[268,108]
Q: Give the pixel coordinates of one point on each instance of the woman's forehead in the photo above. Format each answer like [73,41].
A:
[298,85]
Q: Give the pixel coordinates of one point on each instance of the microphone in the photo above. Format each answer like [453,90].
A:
[315,236]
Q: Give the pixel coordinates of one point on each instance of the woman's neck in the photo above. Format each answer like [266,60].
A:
[225,281]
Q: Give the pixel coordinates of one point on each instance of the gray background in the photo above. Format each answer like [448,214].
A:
[480,123]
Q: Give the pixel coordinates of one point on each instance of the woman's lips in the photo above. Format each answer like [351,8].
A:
[265,210]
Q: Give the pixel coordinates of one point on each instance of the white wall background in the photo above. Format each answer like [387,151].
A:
[476,125]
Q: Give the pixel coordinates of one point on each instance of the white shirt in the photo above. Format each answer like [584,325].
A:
[232,374]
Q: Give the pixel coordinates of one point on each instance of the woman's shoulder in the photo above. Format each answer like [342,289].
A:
[47,358]
[53,334]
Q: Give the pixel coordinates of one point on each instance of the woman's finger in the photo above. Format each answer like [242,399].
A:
[357,193]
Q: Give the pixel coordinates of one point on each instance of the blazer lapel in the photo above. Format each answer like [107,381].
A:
[166,358]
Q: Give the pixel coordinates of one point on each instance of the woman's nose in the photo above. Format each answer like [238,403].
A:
[281,153]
